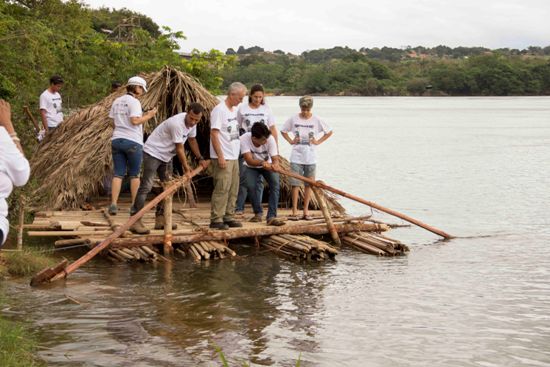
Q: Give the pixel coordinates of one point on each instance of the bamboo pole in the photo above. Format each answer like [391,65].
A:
[167,245]
[324,186]
[33,120]
[248,232]
[21,224]
[64,272]
[324,209]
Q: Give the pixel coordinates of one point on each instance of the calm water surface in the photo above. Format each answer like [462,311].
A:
[474,167]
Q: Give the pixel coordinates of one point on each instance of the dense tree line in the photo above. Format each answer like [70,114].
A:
[89,49]
[441,70]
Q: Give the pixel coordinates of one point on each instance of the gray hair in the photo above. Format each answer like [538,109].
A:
[236,86]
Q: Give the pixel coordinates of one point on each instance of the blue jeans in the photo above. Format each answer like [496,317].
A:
[151,167]
[253,176]
[243,188]
[127,154]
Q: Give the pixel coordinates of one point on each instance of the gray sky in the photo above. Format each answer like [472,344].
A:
[296,26]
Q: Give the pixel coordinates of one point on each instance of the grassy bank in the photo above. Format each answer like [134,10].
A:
[17,344]
[23,263]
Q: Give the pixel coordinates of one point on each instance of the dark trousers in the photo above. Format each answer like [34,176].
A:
[151,167]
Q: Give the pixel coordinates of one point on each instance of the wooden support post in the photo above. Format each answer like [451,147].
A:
[21,224]
[326,213]
[168,249]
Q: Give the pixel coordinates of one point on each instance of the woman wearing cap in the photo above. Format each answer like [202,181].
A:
[127,139]
[305,128]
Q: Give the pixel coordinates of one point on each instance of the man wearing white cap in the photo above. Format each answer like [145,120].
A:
[127,139]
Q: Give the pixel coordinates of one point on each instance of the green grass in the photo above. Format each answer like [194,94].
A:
[24,263]
[17,344]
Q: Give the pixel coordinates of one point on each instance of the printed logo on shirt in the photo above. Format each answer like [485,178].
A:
[233,133]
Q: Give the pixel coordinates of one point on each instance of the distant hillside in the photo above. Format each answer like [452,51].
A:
[441,70]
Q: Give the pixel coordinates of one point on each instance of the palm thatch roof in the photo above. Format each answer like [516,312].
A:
[71,163]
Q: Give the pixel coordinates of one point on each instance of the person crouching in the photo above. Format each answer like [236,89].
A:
[163,144]
[261,157]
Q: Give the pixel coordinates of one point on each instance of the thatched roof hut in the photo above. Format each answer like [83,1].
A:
[70,165]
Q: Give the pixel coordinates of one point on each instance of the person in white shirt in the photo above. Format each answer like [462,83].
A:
[51,110]
[305,128]
[247,115]
[127,139]
[165,142]
[261,158]
[14,167]
[224,151]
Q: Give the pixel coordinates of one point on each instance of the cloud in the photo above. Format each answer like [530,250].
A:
[296,26]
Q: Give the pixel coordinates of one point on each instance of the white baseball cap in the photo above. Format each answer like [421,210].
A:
[137,80]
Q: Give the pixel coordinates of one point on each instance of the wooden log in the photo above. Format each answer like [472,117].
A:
[142,254]
[124,255]
[88,223]
[48,273]
[181,252]
[149,251]
[67,233]
[194,253]
[120,230]
[326,213]
[324,186]
[200,250]
[363,246]
[72,242]
[167,243]
[113,253]
[248,232]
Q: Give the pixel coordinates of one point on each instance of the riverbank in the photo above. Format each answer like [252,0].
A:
[18,344]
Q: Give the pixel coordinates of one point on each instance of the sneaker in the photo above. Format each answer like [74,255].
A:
[256,218]
[113,209]
[239,213]
[139,228]
[233,223]
[159,222]
[218,225]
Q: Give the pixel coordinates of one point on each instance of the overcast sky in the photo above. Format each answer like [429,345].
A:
[299,25]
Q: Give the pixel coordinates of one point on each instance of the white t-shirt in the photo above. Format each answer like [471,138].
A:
[122,109]
[225,121]
[51,103]
[263,152]
[14,170]
[161,144]
[247,116]
[304,152]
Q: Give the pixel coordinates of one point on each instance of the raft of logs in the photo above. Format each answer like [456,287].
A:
[198,251]
[375,244]
[299,247]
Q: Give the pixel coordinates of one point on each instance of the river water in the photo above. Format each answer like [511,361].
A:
[475,167]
